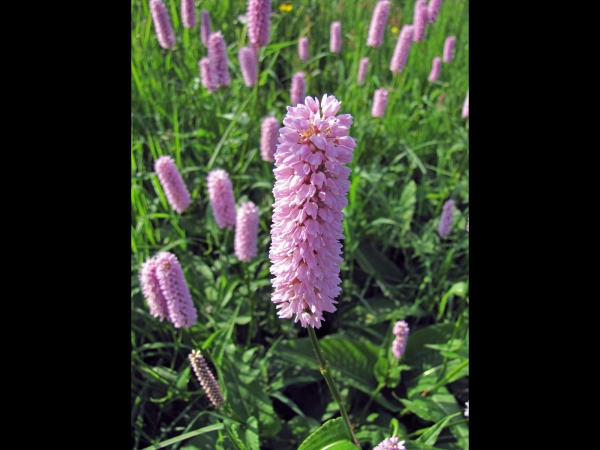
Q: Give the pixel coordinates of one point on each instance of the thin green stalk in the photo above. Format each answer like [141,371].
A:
[380,386]
[464,364]
[324,368]
[251,329]
[456,327]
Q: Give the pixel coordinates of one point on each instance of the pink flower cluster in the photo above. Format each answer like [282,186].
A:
[362,70]
[392,443]
[246,232]
[188,13]
[258,14]
[172,183]
[248,63]
[298,88]
[220,191]
[420,20]
[379,102]
[269,132]
[303,48]
[162,24]
[166,292]
[310,190]
[403,44]
[378,21]
[335,37]
[436,67]
[446,219]
[399,345]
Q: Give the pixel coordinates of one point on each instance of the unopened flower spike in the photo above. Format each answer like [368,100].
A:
[206,378]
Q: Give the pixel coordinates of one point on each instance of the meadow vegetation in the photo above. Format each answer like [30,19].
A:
[396,266]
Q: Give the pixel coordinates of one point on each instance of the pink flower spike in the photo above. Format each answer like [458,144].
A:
[220,191]
[205,31]
[217,54]
[420,20]
[402,47]
[208,75]
[247,59]
[246,232]
[449,49]
[335,37]
[303,48]
[269,132]
[258,14]
[379,103]
[446,219]
[362,70]
[188,13]
[162,24]
[298,89]
[182,312]
[311,183]
[172,183]
[433,10]
[378,22]
[151,290]
[465,114]
[435,69]
[401,331]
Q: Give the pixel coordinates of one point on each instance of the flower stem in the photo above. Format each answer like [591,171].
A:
[324,368]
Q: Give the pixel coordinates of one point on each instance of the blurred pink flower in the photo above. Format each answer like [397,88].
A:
[188,13]
[403,44]
[247,59]
[220,191]
[217,53]
[205,31]
[303,48]
[269,132]
[335,37]
[298,89]
[162,24]
[258,14]
[379,103]
[246,232]
[362,70]
[401,331]
[378,22]
[449,49]
[420,20]
[172,183]
[433,10]
[208,75]
[436,67]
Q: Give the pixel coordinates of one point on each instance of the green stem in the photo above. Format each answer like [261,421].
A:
[445,380]
[456,327]
[380,386]
[324,368]
[250,302]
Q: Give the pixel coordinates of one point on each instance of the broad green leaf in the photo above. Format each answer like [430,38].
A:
[421,357]
[375,263]
[333,431]
[431,435]
[407,203]
[248,398]
[252,433]
[353,359]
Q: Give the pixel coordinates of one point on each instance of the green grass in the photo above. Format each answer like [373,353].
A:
[395,265]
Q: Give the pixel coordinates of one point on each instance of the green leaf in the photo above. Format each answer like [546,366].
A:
[421,357]
[333,432]
[353,359]
[217,426]
[431,435]
[252,434]
[248,398]
[459,289]
[407,203]
[376,264]
[183,378]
